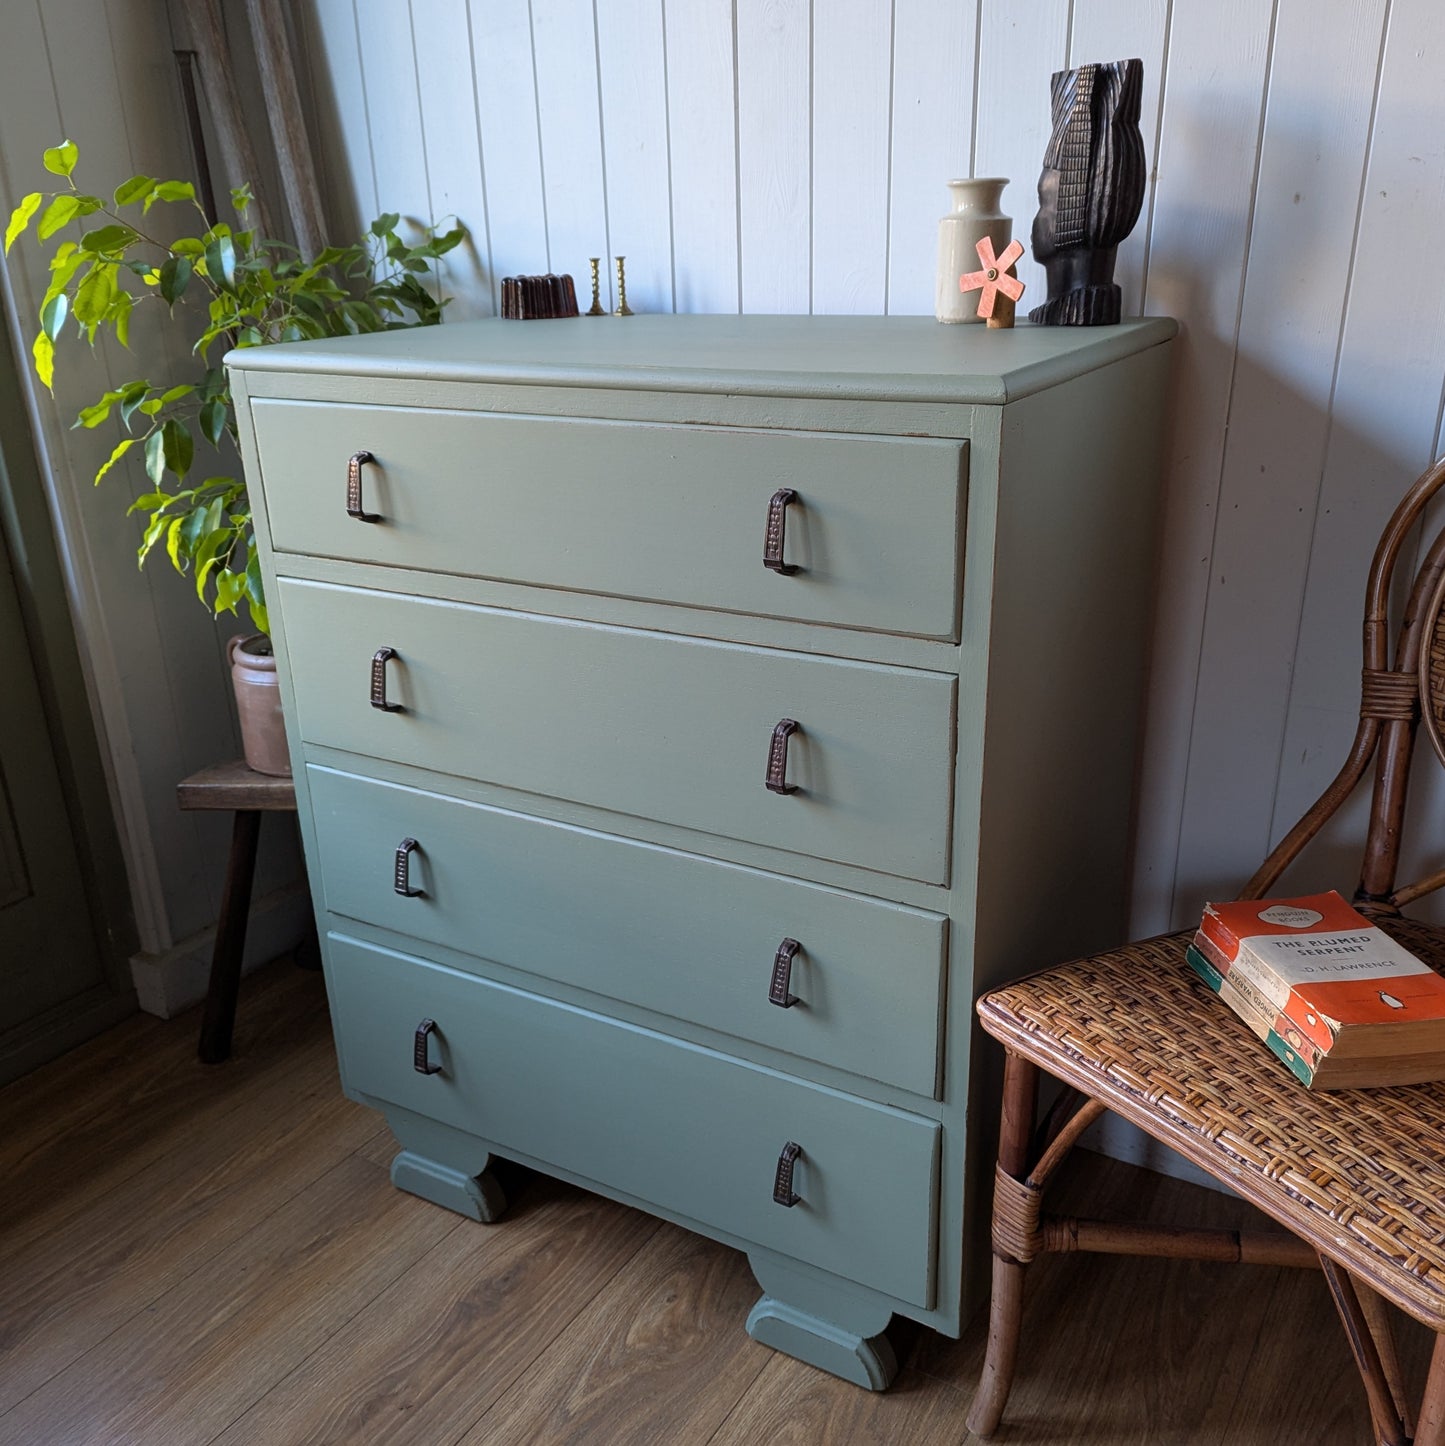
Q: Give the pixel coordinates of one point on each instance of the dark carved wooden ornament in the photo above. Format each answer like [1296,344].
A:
[1090,191]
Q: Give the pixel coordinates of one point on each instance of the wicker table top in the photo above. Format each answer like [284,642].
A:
[1360,1174]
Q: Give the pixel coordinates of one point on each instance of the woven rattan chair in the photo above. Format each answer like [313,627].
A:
[1355,1177]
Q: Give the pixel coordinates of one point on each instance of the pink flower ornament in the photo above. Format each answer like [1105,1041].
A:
[993,278]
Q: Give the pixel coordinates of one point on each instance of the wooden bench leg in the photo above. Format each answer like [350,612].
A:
[220,1013]
[1020,1096]
[1389,1428]
[1430,1431]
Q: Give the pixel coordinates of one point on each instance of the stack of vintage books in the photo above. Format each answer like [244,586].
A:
[1337,1000]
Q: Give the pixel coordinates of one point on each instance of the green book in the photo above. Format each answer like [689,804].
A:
[1260,1024]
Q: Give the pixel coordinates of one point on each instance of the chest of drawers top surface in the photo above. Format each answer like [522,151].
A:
[900,358]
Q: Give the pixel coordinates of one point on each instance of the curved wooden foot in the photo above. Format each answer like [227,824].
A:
[1005,1313]
[823,1322]
[446,1166]
[478,1197]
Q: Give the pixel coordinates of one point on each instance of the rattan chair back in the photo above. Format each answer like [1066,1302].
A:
[1395,694]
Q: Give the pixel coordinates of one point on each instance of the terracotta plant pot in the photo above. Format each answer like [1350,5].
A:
[258,701]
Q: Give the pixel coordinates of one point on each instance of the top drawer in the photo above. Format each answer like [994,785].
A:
[641,510]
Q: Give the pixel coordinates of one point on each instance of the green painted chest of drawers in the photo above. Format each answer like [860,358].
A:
[690,716]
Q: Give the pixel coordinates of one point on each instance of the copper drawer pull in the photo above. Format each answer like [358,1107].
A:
[774,536]
[379,660]
[404,851]
[419,1060]
[783,1180]
[777,775]
[783,975]
[353,488]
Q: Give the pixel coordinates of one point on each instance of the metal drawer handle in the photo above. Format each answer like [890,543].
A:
[777,775]
[379,660]
[783,975]
[783,1180]
[404,851]
[773,537]
[353,488]
[419,1060]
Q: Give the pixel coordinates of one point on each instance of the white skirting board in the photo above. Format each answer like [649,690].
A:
[172,981]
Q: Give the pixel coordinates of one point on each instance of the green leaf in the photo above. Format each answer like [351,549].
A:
[230,589]
[63,266]
[190,246]
[174,191]
[61,159]
[94,295]
[173,543]
[387,222]
[20,217]
[174,394]
[158,524]
[53,314]
[213,420]
[149,501]
[107,239]
[121,448]
[134,189]
[93,415]
[178,446]
[131,396]
[221,262]
[57,214]
[119,316]
[241,197]
[175,277]
[253,577]
[43,353]
[155,457]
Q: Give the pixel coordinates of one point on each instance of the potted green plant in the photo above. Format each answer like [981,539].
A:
[111,261]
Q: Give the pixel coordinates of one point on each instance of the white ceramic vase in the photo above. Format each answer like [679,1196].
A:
[975,215]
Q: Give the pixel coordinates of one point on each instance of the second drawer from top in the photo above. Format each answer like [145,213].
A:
[840,760]
[869,537]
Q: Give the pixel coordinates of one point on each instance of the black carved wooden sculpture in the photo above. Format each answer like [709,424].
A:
[1090,191]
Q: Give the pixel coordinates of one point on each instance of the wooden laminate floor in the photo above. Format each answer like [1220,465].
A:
[193,1254]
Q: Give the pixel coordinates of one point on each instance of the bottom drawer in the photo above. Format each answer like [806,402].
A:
[692,1131]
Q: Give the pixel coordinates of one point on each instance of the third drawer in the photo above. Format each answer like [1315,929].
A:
[673,932]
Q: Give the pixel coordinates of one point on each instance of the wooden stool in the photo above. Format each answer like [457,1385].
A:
[234,786]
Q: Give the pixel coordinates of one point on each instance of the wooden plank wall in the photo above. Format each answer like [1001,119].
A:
[789,155]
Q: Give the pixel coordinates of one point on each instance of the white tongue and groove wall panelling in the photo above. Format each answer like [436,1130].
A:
[790,155]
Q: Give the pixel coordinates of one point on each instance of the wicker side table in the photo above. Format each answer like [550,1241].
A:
[250,794]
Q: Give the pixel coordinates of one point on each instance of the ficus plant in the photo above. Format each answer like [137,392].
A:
[254,290]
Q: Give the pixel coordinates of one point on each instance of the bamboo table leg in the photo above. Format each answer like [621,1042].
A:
[1430,1429]
[220,1014]
[1020,1094]
[1389,1429]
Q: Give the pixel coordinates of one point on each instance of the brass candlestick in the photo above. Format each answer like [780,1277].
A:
[623,309]
[596,309]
